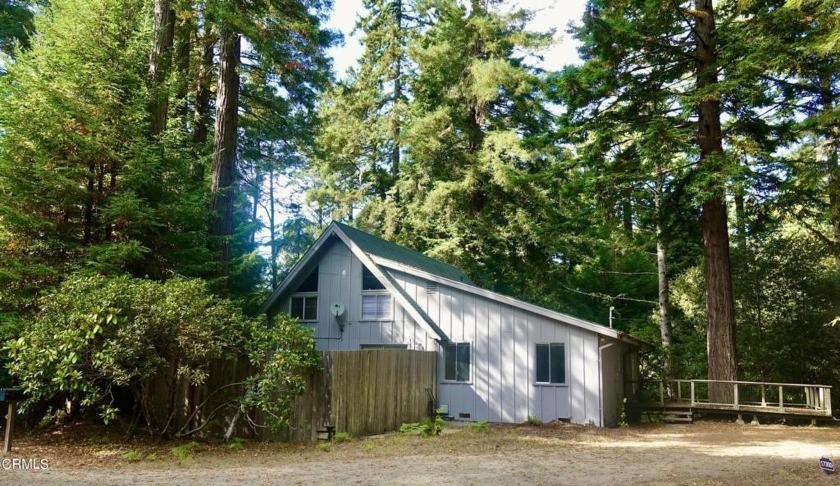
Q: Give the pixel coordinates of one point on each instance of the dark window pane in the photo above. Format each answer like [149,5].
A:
[369,281]
[543,374]
[310,311]
[297,307]
[463,352]
[558,363]
[449,361]
[311,282]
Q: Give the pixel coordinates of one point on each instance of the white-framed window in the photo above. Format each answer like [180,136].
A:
[551,363]
[304,302]
[304,307]
[376,302]
[376,307]
[456,361]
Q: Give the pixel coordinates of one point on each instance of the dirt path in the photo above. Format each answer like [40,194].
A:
[705,453]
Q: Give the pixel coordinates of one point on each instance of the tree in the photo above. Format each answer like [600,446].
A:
[361,141]
[646,54]
[15,25]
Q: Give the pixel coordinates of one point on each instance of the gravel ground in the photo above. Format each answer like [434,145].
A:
[700,453]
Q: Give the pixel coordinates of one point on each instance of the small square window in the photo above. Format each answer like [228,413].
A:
[304,307]
[456,361]
[376,307]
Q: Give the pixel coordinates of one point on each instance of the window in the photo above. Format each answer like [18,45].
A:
[456,361]
[369,281]
[304,304]
[376,307]
[305,307]
[551,363]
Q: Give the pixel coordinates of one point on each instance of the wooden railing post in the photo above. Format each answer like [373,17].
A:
[662,393]
[781,398]
[692,393]
[763,397]
[828,401]
[736,394]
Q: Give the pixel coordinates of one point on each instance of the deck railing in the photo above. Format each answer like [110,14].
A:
[747,396]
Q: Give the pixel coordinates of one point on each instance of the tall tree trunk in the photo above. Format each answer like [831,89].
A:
[832,147]
[224,148]
[160,60]
[201,109]
[720,304]
[184,34]
[665,328]
[272,229]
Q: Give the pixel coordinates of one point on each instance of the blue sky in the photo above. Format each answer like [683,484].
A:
[549,14]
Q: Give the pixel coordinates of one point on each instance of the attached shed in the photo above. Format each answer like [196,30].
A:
[499,359]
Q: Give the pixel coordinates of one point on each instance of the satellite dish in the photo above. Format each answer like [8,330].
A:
[337,309]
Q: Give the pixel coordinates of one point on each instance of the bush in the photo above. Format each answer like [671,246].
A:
[426,428]
[94,334]
[480,426]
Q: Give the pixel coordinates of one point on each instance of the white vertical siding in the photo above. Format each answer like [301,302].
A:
[503,337]
[340,279]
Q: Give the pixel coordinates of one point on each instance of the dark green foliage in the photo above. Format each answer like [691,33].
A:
[15,25]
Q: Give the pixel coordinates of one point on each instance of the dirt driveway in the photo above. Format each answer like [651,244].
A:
[701,453]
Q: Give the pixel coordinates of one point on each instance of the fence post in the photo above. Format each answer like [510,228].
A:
[662,392]
[781,399]
[736,394]
[763,397]
[692,393]
[827,401]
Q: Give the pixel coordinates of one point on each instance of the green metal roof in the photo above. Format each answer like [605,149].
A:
[376,246]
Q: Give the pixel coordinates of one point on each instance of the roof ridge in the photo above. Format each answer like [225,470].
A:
[462,275]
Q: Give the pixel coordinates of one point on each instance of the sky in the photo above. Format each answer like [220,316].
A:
[550,14]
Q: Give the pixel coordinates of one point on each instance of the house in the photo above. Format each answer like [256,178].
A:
[500,359]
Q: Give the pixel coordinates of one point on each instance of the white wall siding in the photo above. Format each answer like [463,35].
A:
[502,386]
[340,279]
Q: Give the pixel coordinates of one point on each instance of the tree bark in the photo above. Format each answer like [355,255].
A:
[201,109]
[160,60]
[272,229]
[665,327]
[720,306]
[224,148]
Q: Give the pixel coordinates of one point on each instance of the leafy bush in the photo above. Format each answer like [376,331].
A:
[237,444]
[184,452]
[132,456]
[342,437]
[427,427]
[97,333]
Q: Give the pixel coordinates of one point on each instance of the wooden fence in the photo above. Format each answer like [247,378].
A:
[359,392]
[366,392]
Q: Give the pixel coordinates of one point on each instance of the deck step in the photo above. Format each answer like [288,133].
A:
[678,416]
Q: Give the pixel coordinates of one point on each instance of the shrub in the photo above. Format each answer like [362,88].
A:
[427,427]
[342,437]
[533,420]
[184,452]
[480,426]
[93,334]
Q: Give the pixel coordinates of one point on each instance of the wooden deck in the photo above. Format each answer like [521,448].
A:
[746,397]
